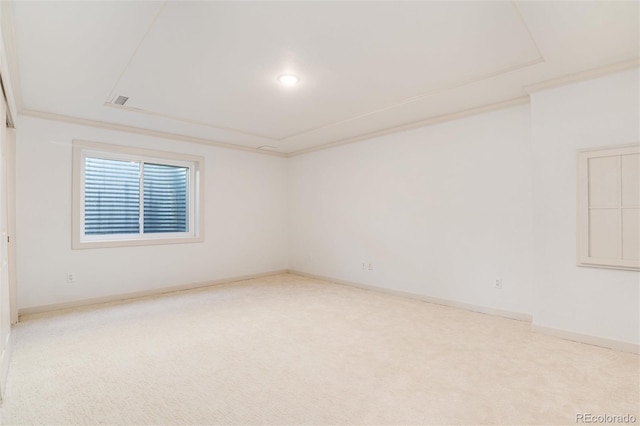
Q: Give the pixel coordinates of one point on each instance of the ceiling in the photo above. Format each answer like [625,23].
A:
[207,71]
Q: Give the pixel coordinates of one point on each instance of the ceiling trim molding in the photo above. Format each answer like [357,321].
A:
[188,121]
[583,75]
[411,99]
[522,100]
[421,95]
[112,93]
[202,141]
[552,83]
[142,131]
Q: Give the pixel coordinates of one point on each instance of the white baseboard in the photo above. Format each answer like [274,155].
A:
[563,334]
[588,339]
[145,293]
[469,307]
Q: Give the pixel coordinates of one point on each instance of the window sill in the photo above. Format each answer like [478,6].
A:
[79,245]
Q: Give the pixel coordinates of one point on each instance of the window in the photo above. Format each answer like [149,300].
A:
[129,196]
[609,208]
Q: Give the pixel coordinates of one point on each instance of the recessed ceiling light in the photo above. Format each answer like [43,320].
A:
[288,79]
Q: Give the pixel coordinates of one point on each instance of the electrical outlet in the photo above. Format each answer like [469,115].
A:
[363,265]
[71,278]
[370,266]
[498,283]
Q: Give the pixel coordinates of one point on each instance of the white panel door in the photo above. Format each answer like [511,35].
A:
[5,304]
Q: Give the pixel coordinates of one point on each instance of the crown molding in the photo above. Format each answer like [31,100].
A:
[556,82]
[323,126]
[420,96]
[522,100]
[583,75]
[409,100]
[142,131]
[167,135]
[188,121]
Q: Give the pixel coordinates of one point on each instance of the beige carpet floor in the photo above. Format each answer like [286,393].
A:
[292,350]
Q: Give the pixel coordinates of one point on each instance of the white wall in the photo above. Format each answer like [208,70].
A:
[245,221]
[595,113]
[439,211]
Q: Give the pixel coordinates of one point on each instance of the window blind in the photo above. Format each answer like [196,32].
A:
[165,198]
[111,197]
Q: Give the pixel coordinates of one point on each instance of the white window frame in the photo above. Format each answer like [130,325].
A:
[583,209]
[195,164]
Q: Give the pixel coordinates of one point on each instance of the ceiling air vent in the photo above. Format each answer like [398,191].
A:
[121,100]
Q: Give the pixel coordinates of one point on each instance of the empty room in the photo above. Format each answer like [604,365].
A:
[319,212]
